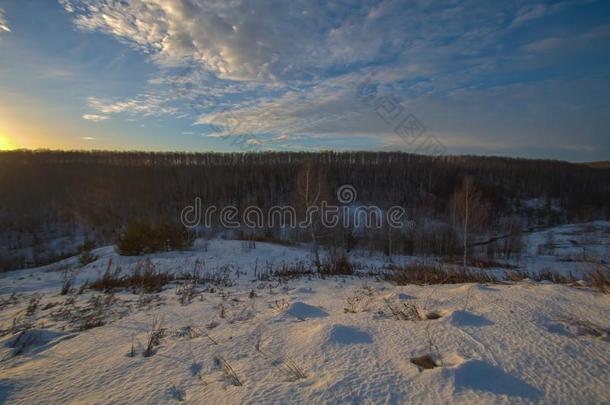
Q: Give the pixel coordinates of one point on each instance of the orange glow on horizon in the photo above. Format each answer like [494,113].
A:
[6,143]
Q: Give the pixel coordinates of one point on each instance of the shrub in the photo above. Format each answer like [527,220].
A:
[282,272]
[186,292]
[600,278]
[359,301]
[110,280]
[406,311]
[141,237]
[337,266]
[94,315]
[145,278]
[86,256]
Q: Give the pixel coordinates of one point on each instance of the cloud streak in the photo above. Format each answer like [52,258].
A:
[3,22]
[95,117]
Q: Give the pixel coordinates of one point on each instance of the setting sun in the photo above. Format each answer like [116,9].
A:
[5,142]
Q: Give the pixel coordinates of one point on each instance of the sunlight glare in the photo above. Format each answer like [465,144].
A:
[5,142]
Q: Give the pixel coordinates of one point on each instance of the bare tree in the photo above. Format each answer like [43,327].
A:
[308,194]
[468,212]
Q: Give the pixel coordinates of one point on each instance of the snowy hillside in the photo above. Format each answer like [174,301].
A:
[237,333]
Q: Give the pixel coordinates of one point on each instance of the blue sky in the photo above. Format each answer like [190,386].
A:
[516,78]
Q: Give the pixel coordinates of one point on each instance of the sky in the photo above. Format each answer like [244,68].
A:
[508,78]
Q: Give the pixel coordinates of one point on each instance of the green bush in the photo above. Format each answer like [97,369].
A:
[141,237]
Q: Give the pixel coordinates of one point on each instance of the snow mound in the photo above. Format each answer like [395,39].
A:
[306,311]
[348,335]
[477,375]
[465,318]
[35,340]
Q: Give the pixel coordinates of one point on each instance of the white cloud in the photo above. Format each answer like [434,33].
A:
[95,118]
[145,105]
[88,138]
[236,40]
[291,40]
[67,4]
[574,42]
[544,45]
[532,12]
[292,70]
[3,23]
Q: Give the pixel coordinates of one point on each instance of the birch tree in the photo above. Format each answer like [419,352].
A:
[468,212]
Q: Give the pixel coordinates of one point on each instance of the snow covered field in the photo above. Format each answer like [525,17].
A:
[307,340]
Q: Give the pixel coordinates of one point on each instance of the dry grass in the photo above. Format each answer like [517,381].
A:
[186,292]
[599,278]
[144,278]
[553,277]
[337,266]
[95,313]
[32,306]
[582,327]
[420,274]
[283,272]
[67,280]
[156,333]
[228,371]
[359,301]
[220,277]
[280,305]
[285,364]
[490,264]
[406,311]
[11,300]
[291,368]
[543,275]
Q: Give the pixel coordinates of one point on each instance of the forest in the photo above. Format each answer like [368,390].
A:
[52,202]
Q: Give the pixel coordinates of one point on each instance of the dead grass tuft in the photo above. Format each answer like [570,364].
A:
[599,278]
[156,333]
[228,371]
[337,266]
[406,311]
[421,274]
[145,278]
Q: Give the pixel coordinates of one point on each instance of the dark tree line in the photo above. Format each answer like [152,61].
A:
[50,195]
